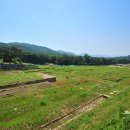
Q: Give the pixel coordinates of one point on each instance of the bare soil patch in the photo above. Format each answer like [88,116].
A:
[16,90]
[10,72]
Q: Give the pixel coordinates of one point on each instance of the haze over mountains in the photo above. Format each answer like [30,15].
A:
[40,49]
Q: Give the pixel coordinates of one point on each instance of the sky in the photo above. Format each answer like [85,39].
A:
[79,26]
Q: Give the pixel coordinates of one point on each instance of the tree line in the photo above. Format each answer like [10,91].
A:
[16,55]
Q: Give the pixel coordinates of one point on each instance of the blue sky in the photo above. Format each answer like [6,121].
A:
[90,26]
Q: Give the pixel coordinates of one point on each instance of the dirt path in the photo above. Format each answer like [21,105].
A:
[59,122]
[44,75]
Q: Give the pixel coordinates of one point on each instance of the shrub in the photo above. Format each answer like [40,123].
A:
[83,95]
[43,103]
[71,126]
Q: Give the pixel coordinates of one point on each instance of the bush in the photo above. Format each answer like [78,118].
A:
[1,61]
[43,103]
[83,95]
[71,126]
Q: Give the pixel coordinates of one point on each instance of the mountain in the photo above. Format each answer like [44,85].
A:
[3,44]
[29,47]
[35,48]
[40,49]
[67,53]
[82,54]
[98,55]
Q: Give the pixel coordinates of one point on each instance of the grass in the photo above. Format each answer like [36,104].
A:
[75,85]
[8,77]
[107,116]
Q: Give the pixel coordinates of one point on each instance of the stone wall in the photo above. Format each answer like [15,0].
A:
[50,79]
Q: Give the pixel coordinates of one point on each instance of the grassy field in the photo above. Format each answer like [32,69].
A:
[14,76]
[75,86]
[107,116]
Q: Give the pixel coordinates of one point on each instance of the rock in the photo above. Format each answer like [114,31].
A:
[127,112]
[111,93]
[15,109]
[115,92]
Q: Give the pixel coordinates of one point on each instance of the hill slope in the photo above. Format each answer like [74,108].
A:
[67,53]
[29,47]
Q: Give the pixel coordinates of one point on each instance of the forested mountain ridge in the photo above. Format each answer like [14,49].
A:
[29,47]
[29,53]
